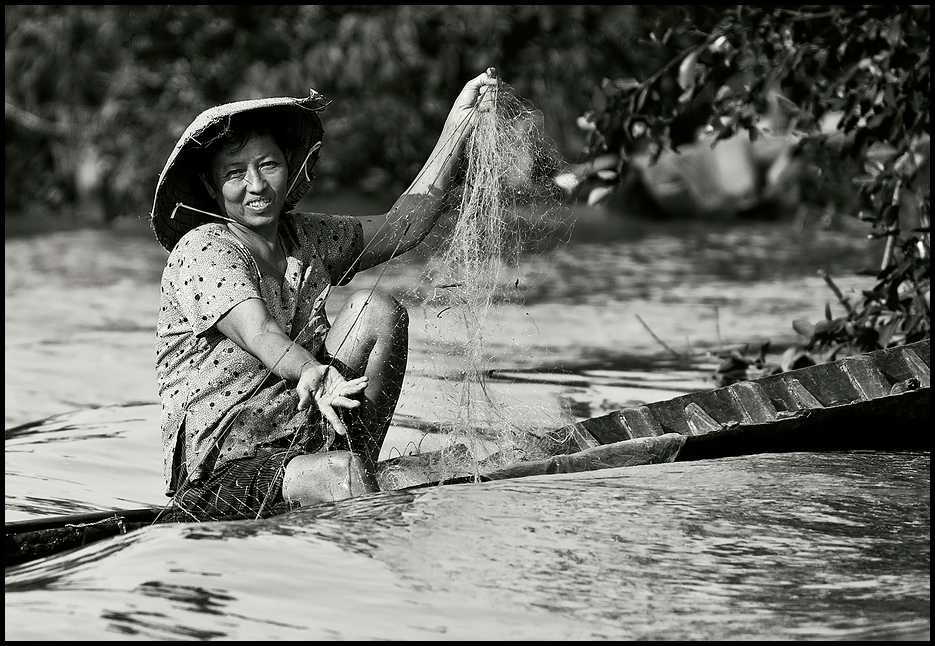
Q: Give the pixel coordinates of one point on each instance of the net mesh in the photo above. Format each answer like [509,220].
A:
[472,294]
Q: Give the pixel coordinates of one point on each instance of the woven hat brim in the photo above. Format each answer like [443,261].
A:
[179,183]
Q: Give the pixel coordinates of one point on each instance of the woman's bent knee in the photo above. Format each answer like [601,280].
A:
[378,307]
[325,477]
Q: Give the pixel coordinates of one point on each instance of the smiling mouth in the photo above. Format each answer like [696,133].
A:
[258,205]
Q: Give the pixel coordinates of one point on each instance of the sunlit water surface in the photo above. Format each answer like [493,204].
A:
[796,546]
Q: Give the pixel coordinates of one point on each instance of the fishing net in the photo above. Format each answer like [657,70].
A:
[465,289]
[472,293]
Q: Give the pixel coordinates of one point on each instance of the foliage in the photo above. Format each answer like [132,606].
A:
[105,90]
[862,69]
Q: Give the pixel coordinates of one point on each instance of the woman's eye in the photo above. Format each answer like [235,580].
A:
[269,165]
[234,174]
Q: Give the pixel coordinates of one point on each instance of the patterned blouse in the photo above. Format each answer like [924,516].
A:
[223,398]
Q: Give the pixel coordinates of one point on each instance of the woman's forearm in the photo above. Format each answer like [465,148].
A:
[412,218]
[281,355]
[250,326]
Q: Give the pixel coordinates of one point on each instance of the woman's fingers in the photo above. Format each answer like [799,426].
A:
[337,387]
[487,91]
[328,389]
[477,95]
[309,383]
[474,92]
[354,386]
[329,414]
[345,402]
[484,89]
[306,390]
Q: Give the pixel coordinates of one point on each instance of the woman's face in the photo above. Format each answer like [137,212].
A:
[250,183]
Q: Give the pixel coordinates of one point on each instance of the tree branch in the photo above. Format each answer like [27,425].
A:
[33,122]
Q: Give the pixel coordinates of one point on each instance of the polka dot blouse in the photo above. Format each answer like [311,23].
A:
[212,390]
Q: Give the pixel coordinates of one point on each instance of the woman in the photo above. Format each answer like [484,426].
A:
[256,384]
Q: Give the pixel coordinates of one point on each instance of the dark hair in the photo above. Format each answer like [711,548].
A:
[235,131]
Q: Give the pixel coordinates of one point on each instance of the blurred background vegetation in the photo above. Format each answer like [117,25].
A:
[818,106]
[96,96]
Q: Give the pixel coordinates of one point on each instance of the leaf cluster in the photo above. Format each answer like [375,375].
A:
[852,84]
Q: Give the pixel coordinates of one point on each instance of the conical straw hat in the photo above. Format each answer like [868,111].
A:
[179,183]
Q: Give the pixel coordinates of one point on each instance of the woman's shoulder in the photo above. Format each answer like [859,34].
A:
[312,228]
[314,222]
[207,241]
[314,218]
[210,233]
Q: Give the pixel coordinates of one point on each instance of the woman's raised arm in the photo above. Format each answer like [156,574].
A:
[420,207]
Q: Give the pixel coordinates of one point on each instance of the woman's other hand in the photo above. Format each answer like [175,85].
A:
[479,93]
[329,389]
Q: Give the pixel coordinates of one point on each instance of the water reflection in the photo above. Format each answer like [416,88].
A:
[796,546]
[55,573]
[708,544]
[141,624]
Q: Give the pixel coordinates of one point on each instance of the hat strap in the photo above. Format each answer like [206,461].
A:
[304,167]
[192,208]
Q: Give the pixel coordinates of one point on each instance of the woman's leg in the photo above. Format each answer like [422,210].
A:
[370,335]
[325,477]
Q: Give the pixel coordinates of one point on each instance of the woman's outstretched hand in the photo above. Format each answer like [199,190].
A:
[329,389]
[478,95]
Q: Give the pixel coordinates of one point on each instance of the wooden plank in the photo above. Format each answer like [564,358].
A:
[641,423]
[671,413]
[802,396]
[867,379]
[918,367]
[896,364]
[753,401]
[640,451]
[700,421]
[605,429]
[828,383]
[144,515]
[583,438]
[777,388]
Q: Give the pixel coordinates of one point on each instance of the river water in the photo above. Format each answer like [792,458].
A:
[794,546]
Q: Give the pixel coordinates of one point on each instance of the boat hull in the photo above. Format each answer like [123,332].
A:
[854,403]
[876,401]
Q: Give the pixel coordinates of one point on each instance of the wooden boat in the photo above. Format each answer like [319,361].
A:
[874,401]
